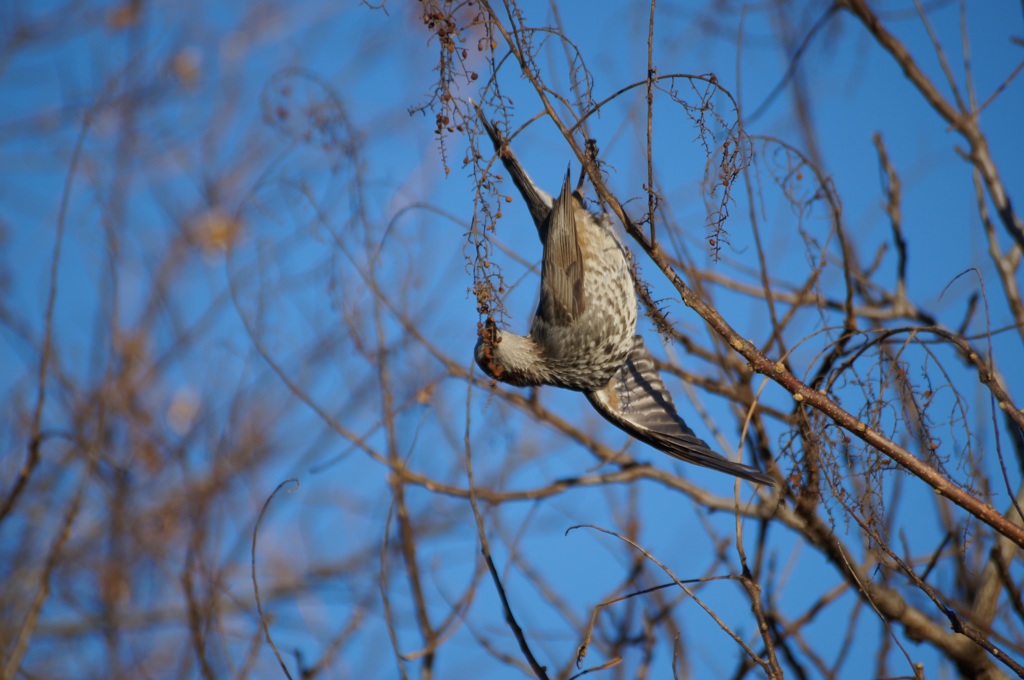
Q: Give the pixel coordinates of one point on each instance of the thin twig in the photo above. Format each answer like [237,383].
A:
[293,485]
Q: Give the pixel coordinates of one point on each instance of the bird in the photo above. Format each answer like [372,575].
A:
[583,334]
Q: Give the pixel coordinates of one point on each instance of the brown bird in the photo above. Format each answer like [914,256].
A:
[583,335]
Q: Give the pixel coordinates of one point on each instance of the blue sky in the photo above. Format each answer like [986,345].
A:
[297,274]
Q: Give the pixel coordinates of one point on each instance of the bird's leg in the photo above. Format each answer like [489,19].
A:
[591,152]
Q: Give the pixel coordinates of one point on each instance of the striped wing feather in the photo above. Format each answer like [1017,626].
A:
[636,401]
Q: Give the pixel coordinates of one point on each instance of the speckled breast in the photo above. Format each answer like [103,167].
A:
[584,354]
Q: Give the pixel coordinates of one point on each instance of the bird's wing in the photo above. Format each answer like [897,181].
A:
[537,200]
[562,297]
[635,400]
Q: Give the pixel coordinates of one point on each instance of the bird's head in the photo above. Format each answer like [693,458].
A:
[510,358]
[486,351]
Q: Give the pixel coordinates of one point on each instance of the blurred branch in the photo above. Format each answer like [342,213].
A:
[290,485]
[964,122]
[36,437]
